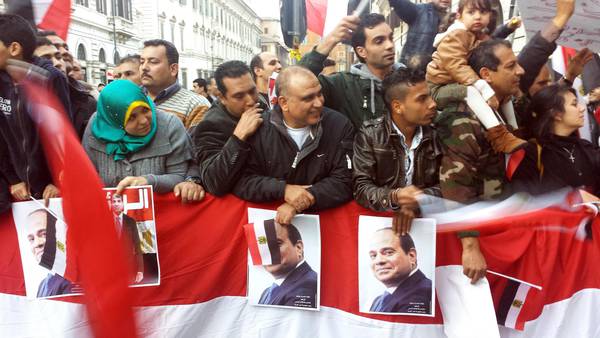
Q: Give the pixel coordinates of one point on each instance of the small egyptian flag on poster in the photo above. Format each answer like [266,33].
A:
[262,242]
[54,256]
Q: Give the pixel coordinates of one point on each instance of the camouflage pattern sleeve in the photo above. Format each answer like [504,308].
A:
[470,169]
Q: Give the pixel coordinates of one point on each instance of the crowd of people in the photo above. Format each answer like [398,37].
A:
[440,122]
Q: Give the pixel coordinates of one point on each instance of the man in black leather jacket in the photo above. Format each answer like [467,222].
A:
[397,156]
[220,139]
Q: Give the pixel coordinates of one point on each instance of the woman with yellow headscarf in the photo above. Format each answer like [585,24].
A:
[132,143]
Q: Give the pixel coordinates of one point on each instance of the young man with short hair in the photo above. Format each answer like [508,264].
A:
[129,69]
[263,65]
[397,156]
[357,94]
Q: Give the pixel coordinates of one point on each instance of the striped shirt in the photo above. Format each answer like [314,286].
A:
[188,106]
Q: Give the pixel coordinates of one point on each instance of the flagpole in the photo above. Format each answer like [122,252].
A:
[514,279]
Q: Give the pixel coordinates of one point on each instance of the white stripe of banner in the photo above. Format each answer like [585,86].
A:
[517,305]
[263,248]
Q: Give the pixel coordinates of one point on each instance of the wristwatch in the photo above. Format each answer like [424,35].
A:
[193,179]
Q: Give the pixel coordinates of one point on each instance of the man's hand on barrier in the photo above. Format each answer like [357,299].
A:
[285,213]
[50,191]
[406,196]
[20,191]
[189,192]
[473,262]
[402,220]
[298,197]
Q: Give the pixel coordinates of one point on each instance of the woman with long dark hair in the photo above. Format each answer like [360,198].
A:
[557,157]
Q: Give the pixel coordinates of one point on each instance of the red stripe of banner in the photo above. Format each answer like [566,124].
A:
[252,244]
[196,269]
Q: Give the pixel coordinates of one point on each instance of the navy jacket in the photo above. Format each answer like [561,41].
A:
[412,296]
[54,285]
[423,21]
[299,289]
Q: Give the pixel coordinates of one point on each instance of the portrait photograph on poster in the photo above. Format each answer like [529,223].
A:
[284,261]
[396,273]
[133,212]
[42,234]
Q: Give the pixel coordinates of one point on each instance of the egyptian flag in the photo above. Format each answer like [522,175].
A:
[54,15]
[511,303]
[262,242]
[323,15]
[272,91]
[94,249]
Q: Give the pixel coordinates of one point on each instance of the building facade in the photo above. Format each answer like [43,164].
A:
[91,37]
[271,40]
[205,32]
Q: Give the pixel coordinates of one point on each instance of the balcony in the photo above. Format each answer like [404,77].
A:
[124,28]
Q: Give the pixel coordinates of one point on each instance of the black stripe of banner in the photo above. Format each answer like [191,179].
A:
[508,296]
[272,241]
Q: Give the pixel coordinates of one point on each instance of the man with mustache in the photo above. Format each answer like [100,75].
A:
[159,66]
[301,153]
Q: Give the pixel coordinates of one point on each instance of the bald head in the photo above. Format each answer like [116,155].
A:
[290,75]
[263,65]
[300,97]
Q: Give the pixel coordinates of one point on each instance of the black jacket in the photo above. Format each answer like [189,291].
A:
[221,155]
[379,163]
[323,162]
[557,168]
[83,106]
[23,158]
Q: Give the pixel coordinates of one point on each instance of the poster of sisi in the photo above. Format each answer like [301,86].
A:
[284,261]
[42,236]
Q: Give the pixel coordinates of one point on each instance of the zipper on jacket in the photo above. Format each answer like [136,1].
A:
[295,163]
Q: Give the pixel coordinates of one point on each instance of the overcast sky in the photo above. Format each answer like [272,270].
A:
[265,8]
